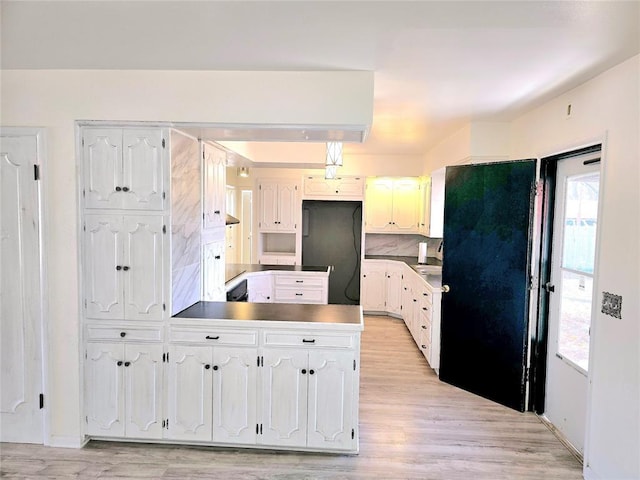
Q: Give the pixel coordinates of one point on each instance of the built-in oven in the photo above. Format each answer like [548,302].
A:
[238,293]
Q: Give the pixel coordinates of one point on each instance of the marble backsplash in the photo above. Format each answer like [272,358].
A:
[185,222]
[401,245]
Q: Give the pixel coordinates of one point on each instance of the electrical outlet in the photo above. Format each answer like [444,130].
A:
[612,304]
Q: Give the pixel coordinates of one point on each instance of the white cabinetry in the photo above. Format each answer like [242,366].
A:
[381,286]
[124,274]
[278,206]
[260,288]
[213,270]
[436,216]
[309,395]
[214,186]
[123,390]
[425,206]
[124,168]
[392,205]
[212,390]
[345,188]
[301,289]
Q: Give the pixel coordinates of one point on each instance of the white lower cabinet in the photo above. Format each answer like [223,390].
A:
[260,288]
[308,399]
[124,390]
[374,287]
[212,394]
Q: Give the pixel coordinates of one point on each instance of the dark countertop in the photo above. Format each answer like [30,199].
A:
[407,260]
[275,312]
[234,270]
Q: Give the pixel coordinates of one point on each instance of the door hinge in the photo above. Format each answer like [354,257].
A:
[167,357]
[163,423]
[36,172]
[164,195]
[163,144]
[258,361]
[164,356]
[83,141]
[354,365]
[41,399]
[164,307]
[353,433]
[539,187]
[164,229]
[83,193]
[86,419]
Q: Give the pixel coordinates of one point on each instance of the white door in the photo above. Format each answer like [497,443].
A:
[20,291]
[143,374]
[190,393]
[143,182]
[284,398]
[234,394]
[570,304]
[331,379]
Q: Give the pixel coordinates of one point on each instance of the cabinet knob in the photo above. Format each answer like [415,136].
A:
[215,367]
[304,371]
[311,372]
[126,364]
[217,212]
[217,257]
[119,363]
[123,334]
[207,366]
[118,189]
[424,327]
[125,189]
[118,267]
[336,191]
[125,268]
[423,346]
[425,309]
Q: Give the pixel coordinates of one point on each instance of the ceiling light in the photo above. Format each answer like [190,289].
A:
[334,154]
[243,172]
[330,172]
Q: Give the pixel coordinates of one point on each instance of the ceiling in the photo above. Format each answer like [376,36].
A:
[438,64]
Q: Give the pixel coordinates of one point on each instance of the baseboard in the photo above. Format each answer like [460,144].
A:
[66,441]
[560,436]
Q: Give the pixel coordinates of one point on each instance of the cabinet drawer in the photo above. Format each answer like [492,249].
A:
[125,334]
[299,281]
[298,295]
[425,310]
[425,296]
[212,336]
[294,339]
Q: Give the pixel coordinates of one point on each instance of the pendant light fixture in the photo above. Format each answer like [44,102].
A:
[330,172]
[334,154]
[243,172]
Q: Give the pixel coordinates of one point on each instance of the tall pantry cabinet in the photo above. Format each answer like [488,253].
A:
[124,220]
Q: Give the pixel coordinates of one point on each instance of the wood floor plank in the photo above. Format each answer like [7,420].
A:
[412,426]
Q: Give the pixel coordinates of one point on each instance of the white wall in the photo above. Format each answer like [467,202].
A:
[55,99]
[607,107]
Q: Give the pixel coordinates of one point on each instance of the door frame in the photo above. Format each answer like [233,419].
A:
[41,145]
[540,334]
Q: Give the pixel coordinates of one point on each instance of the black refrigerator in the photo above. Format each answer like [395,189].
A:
[332,235]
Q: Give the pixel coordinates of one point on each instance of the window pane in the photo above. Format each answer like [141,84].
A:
[581,220]
[575,318]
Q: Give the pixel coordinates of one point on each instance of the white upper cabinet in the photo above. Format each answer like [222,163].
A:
[436,217]
[346,188]
[214,186]
[392,205]
[124,267]
[425,206]
[278,206]
[124,168]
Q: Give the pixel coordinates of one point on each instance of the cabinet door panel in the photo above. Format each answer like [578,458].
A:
[406,205]
[379,205]
[143,388]
[143,255]
[394,290]
[373,287]
[104,390]
[287,193]
[214,171]
[103,254]
[268,206]
[142,169]
[189,393]
[213,269]
[331,400]
[234,395]
[284,398]
[102,167]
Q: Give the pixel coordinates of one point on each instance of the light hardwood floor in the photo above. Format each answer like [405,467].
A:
[412,426]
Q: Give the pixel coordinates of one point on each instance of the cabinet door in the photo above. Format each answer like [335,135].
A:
[190,393]
[268,206]
[234,395]
[425,206]
[260,288]
[287,207]
[379,205]
[143,270]
[214,171]
[331,400]
[143,172]
[394,290]
[319,187]
[102,167]
[406,203]
[104,387]
[213,271]
[104,259]
[143,391]
[284,398]
[373,295]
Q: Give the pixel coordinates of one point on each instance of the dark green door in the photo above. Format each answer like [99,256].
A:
[487,255]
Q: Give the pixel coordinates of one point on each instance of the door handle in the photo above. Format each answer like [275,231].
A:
[549,287]
[445,289]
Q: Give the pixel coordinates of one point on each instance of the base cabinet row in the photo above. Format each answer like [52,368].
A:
[236,395]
